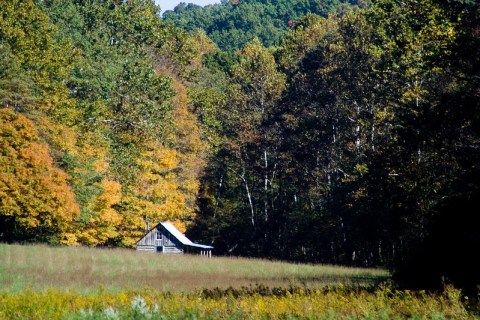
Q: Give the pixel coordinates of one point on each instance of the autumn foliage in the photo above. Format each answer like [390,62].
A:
[98,137]
[34,194]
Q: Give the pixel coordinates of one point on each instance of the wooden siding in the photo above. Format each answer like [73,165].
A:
[159,241]
[147,248]
[172,250]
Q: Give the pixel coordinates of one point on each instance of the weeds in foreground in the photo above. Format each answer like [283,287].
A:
[250,303]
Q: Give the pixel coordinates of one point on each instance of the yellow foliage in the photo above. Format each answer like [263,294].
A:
[69,239]
[112,195]
[32,189]
[179,225]
[58,135]
[100,165]
[104,225]
[157,195]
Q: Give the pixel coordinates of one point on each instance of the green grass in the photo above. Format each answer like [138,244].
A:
[39,267]
[41,282]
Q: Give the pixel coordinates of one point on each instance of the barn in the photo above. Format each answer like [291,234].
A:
[165,238]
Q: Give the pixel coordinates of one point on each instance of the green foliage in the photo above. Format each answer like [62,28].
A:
[233,24]
[245,161]
[366,137]
[26,32]
[16,88]
[299,40]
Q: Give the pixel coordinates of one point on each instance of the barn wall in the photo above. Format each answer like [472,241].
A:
[146,248]
[148,239]
[150,242]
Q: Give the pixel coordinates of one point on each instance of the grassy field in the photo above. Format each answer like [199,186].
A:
[41,282]
[85,269]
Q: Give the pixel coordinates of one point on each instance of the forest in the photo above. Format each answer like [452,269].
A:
[232,24]
[320,131]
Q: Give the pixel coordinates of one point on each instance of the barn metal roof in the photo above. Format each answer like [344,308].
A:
[181,237]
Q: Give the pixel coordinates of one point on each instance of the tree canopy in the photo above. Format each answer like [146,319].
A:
[232,24]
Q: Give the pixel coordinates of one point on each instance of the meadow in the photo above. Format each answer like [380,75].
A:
[38,268]
[41,282]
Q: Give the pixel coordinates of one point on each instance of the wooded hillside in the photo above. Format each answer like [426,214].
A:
[233,23]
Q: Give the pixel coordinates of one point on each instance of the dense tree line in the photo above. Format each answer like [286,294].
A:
[349,139]
[359,147]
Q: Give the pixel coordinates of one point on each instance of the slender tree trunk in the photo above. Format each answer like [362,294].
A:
[217,197]
[249,196]
[265,201]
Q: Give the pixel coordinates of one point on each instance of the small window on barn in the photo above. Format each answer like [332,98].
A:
[159,236]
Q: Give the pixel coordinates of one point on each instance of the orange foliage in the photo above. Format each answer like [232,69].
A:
[89,154]
[32,190]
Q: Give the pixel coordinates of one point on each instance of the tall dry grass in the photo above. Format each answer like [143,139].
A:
[39,267]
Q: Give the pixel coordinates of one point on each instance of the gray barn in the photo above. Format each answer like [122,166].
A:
[165,238]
